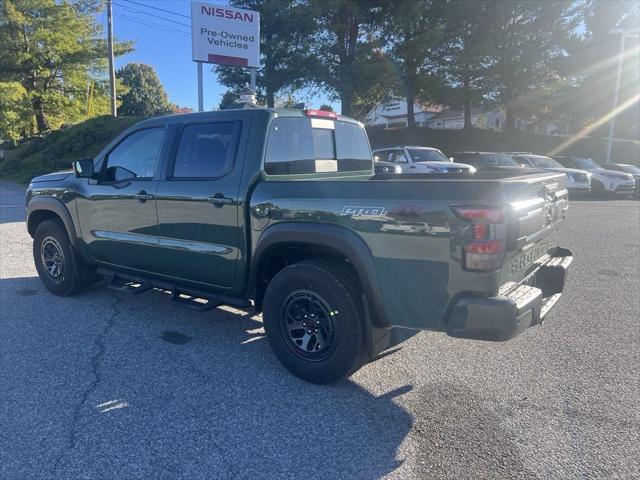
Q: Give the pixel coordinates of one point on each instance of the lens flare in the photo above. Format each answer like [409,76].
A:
[599,122]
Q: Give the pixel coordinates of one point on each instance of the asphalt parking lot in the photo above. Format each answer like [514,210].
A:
[108,386]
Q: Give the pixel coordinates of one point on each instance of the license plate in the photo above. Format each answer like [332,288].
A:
[530,255]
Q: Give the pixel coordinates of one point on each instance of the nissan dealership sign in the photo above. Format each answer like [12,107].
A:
[225,35]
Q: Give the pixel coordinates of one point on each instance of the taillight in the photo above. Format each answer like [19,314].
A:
[485,249]
[321,113]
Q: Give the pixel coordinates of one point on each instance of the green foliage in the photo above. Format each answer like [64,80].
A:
[411,33]
[528,40]
[460,66]
[54,49]
[146,96]
[229,99]
[57,150]
[591,68]
[350,65]
[15,112]
[286,27]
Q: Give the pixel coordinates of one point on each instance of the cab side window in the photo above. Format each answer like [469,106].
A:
[135,157]
[206,150]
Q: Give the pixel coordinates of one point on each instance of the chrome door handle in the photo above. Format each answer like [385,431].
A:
[143,196]
[219,200]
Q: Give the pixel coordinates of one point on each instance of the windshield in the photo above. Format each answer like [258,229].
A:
[543,162]
[630,169]
[586,163]
[497,160]
[427,155]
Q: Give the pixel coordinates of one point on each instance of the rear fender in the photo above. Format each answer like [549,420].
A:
[339,239]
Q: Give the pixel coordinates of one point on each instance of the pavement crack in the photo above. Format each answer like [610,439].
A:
[100,348]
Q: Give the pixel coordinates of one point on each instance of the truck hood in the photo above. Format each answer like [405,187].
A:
[566,170]
[611,174]
[52,177]
[445,165]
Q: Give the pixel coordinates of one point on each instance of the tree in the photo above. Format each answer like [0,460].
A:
[229,99]
[53,49]
[326,108]
[286,27]
[411,33]
[351,66]
[528,40]
[15,112]
[146,96]
[592,67]
[462,62]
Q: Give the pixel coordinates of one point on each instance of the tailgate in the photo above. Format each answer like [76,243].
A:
[537,206]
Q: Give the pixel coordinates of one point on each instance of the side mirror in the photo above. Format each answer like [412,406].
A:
[83,168]
[451,159]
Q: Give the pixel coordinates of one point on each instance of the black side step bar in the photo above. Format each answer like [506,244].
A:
[132,286]
[180,295]
[198,303]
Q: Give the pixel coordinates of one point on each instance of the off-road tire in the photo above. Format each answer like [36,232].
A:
[333,284]
[52,233]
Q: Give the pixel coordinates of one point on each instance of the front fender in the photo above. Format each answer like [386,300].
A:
[50,204]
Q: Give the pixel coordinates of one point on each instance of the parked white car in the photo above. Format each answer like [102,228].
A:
[578,181]
[406,159]
[602,181]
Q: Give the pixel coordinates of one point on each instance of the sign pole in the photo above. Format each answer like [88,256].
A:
[252,73]
[200,100]
[112,73]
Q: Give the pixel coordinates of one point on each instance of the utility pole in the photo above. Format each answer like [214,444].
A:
[112,73]
[616,95]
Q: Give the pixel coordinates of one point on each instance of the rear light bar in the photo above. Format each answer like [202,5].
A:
[320,113]
[485,249]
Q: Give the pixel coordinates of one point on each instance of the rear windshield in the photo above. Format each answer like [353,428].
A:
[543,162]
[586,163]
[313,145]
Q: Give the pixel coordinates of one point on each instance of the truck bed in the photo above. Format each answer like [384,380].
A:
[415,237]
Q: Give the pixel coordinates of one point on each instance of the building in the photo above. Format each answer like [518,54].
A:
[393,114]
[454,119]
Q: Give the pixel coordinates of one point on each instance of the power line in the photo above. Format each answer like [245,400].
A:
[151,14]
[153,25]
[157,8]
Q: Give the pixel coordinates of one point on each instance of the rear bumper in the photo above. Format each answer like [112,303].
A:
[516,307]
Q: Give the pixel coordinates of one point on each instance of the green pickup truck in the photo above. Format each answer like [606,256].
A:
[280,210]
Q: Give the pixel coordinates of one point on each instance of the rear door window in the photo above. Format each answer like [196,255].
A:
[205,150]
[312,145]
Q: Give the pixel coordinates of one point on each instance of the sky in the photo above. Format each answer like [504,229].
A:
[163,40]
